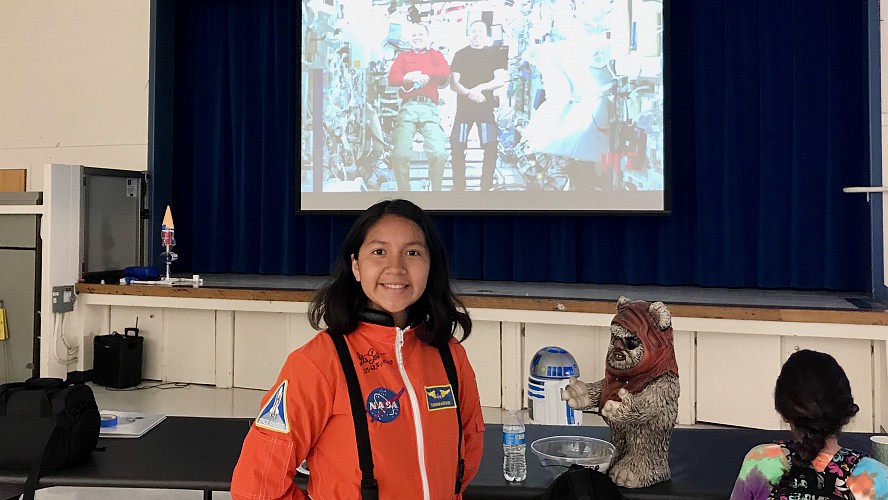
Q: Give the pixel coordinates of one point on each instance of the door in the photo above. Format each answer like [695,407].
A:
[18,290]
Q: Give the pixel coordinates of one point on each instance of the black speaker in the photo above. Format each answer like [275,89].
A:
[117,359]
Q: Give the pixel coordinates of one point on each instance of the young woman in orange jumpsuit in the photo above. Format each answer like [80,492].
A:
[390,297]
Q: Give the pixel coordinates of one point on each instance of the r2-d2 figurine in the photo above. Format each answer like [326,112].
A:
[550,371]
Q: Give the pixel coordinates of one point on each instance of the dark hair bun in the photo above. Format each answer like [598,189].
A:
[814,395]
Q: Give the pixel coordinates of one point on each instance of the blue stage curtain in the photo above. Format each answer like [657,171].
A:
[768,124]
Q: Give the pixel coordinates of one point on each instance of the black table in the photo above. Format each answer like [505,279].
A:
[200,454]
[189,453]
[704,462]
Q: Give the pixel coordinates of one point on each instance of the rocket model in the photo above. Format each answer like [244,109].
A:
[167,229]
[168,256]
[168,240]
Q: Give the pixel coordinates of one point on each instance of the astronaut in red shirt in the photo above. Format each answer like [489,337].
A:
[417,73]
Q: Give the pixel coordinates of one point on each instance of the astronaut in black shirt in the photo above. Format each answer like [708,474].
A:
[476,71]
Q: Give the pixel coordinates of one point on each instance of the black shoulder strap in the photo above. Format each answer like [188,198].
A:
[34,474]
[369,487]
[450,368]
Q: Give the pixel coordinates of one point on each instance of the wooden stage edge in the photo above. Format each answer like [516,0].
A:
[747,313]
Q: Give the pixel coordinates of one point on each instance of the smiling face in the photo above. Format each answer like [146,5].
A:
[478,34]
[418,36]
[626,350]
[392,266]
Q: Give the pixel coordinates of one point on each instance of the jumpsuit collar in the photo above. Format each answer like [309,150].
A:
[380,326]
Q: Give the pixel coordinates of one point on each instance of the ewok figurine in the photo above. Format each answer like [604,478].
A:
[638,397]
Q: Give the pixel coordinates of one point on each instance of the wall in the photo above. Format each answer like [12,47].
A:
[60,232]
[75,84]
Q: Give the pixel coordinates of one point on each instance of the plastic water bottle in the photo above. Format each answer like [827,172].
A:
[514,460]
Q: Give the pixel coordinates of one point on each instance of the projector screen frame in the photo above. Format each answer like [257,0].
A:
[434,202]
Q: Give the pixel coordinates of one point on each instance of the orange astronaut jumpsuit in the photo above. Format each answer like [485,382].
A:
[412,424]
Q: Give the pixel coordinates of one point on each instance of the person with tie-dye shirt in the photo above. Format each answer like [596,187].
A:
[813,395]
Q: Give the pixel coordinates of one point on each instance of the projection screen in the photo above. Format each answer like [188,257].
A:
[488,105]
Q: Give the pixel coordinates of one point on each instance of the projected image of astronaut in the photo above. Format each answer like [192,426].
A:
[476,71]
[417,73]
[586,91]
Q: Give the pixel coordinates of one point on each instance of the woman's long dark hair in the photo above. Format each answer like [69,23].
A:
[337,304]
[814,395]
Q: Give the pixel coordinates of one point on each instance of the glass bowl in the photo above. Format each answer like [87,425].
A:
[557,453]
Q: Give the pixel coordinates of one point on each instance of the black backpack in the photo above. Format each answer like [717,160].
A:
[802,481]
[46,423]
[582,483]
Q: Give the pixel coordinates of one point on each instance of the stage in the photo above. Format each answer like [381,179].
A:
[691,301]
[236,331]
[686,295]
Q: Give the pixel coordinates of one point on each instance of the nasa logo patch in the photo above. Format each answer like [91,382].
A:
[274,414]
[384,405]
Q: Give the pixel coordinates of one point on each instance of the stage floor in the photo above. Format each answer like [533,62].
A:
[671,295]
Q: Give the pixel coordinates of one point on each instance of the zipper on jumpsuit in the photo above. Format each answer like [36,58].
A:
[417,421]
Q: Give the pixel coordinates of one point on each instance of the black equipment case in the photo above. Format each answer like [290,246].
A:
[117,359]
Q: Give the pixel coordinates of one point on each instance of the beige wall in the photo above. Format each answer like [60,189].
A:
[73,84]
